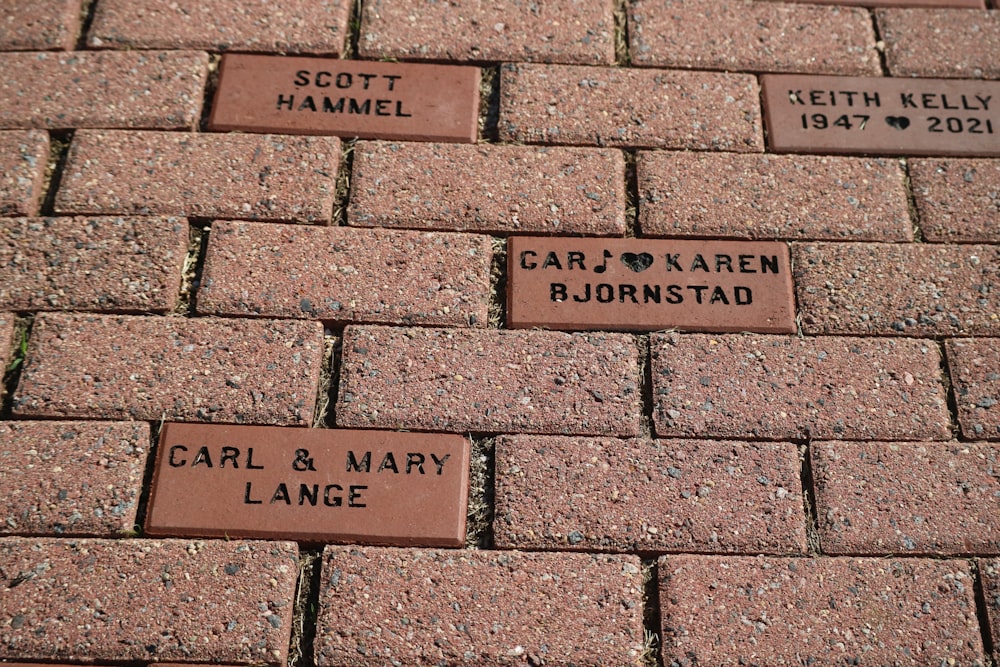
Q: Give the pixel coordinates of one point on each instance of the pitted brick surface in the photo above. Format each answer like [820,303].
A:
[39,25]
[957,200]
[71,478]
[487,380]
[489,188]
[140,600]
[772,196]
[23,157]
[153,368]
[645,496]
[974,366]
[255,177]
[612,106]
[740,386]
[477,607]
[989,571]
[948,43]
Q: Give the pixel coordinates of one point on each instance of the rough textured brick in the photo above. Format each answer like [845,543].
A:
[912,289]
[739,386]
[106,264]
[346,275]
[743,35]
[609,106]
[488,380]
[71,478]
[490,188]
[931,498]
[420,607]
[557,31]
[291,26]
[153,368]
[23,158]
[254,177]
[706,496]
[941,42]
[989,570]
[140,600]
[772,196]
[957,200]
[6,341]
[39,25]
[974,367]
[123,89]
[817,611]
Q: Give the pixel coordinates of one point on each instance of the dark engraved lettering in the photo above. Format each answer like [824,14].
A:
[281,493]
[250,465]
[308,493]
[586,294]
[651,293]
[330,107]
[674,295]
[344,80]
[367,78]
[202,458]
[332,501]
[524,260]
[572,258]
[551,259]
[744,296]
[303,461]
[382,106]
[230,454]
[557,292]
[439,462]
[388,463]
[698,290]
[307,103]
[246,497]
[392,79]
[302,77]
[627,291]
[672,262]
[354,107]
[414,460]
[174,450]
[769,264]
[399,110]
[282,101]
[723,261]
[320,81]
[605,293]
[354,492]
[699,264]
[719,295]
[364,465]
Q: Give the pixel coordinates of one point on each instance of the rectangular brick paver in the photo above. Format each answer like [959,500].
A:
[23,158]
[910,498]
[941,43]
[489,188]
[705,496]
[255,177]
[71,478]
[773,387]
[989,571]
[136,600]
[957,200]
[153,368]
[380,606]
[817,611]
[39,25]
[645,108]
[974,367]
[488,380]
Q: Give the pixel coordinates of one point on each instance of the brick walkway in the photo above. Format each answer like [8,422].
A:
[656,495]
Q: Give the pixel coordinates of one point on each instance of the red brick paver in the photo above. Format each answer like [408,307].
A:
[974,366]
[489,188]
[122,367]
[740,386]
[71,478]
[958,200]
[257,177]
[487,380]
[39,25]
[817,611]
[140,600]
[477,607]
[941,42]
[989,571]
[23,156]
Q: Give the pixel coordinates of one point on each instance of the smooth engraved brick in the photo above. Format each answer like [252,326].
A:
[556,31]
[420,607]
[153,368]
[618,106]
[105,264]
[138,600]
[255,177]
[39,25]
[989,571]
[487,380]
[750,36]
[786,387]
[974,367]
[71,478]
[928,498]
[6,341]
[817,611]
[970,4]
[892,289]
[488,188]
[292,26]
[115,89]
[23,158]
[346,275]
[707,496]
[957,200]
[941,42]
[755,196]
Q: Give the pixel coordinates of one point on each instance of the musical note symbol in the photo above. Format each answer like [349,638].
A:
[603,267]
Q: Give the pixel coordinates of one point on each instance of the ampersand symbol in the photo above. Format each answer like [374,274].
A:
[302,460]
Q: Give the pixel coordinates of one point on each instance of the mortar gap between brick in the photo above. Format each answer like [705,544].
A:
[306,610]
[329,370]
[142,507]
[497,310]
[808,482]
[194,264]
[911,202]
[632,228]
[879,43]
[982,610]
[87,11]
[59,143]
[353,31]
[12,373]
[949,388]
[481,510]
[489,104]
[651,619]
[336,360]
[342,186]
[211,86]
[623,57]
[646,421]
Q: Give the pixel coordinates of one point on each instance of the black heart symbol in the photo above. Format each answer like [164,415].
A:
[639,262]
[898,122]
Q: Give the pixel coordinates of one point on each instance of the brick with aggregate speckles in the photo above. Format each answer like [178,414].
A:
[244,176]
[102,264]
[422,607]
[948,43]
[817,611]
[641,108]
[139,600]
[705,496]
[153,368]
[39,25]
[758,386]
[748,36]
[489,188]
[490,381]
[346,275]
[909,498]
[957,200]
[23,158]
[989,571]
[772,196]
[71,478]
[974,367]
[898,289]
